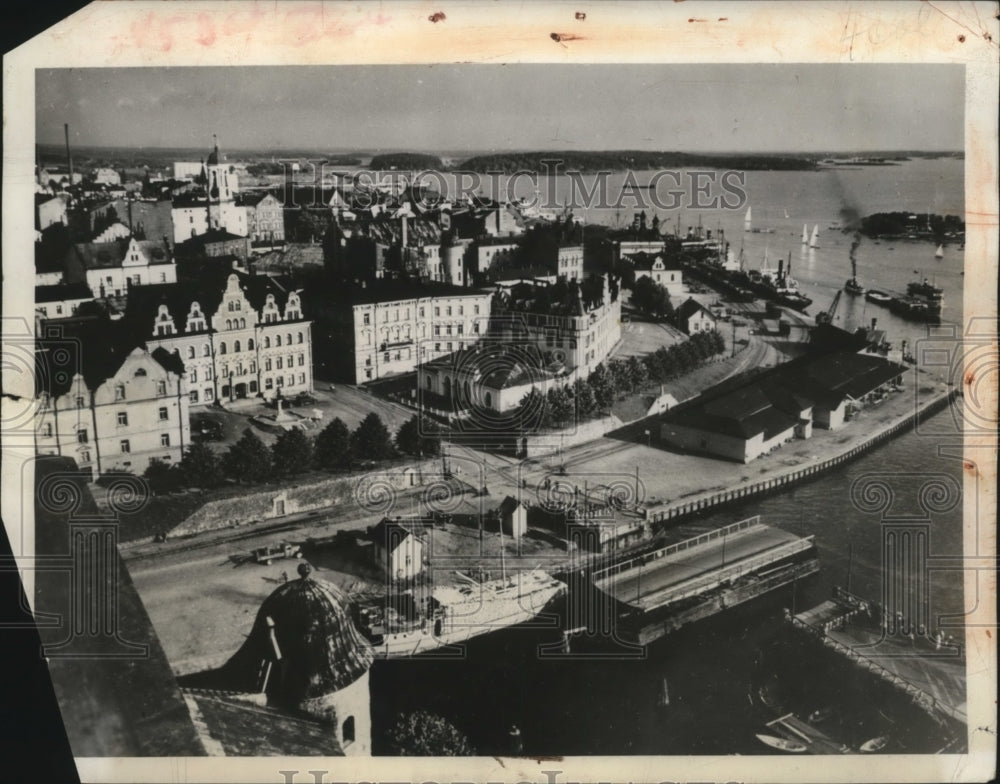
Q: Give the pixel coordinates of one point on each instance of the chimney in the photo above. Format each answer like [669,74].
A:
[69,157]
[874,322]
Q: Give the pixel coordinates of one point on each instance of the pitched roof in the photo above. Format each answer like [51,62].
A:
[244,729]
[691,306]
[392,533]
[101,255]
[60,292]
[508,505]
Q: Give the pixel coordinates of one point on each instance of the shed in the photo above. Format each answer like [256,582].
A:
[513,517]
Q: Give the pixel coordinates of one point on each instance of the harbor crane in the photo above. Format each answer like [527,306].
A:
[826,317]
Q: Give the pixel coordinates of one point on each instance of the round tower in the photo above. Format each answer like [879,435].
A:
[305,653]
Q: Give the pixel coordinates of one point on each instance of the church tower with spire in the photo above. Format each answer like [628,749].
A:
[221,185]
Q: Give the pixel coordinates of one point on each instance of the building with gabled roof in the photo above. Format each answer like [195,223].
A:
[743,418]
[239,335]
[694,317]
[112,268]
[656,266]
[399,547]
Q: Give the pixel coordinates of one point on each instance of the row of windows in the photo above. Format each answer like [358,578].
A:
[161,390]
[366,317]
[209,394]
[126,445]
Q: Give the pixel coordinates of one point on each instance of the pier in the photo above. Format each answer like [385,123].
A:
[664,589]
[932,673]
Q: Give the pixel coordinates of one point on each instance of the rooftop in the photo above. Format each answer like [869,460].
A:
[391,289]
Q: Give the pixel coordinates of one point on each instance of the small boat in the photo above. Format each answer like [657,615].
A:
[853,287]
[873,745]
[878,297]
[814,239]
[820,715]
[781,743]
[748,220]
[664,694]
[805,234]
[939,253]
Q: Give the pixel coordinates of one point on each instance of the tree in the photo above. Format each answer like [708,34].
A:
[333,446]
[248,460]
[419,437]
[560,406]
[603,385]
[371,440]
[292,452]
[200,466]
[423,734]
[651,297]
[162,478]
[638,373]
[586,401]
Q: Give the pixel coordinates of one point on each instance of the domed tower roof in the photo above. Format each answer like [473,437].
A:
[302,629]
[213,156]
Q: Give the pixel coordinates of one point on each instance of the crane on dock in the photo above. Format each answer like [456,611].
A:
[827,316]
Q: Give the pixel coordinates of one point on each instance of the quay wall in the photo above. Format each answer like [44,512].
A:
[670,512]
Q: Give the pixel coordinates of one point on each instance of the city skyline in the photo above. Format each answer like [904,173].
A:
[593,107]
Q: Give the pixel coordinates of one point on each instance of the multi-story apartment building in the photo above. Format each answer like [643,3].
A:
[239,336]
[579,331]
[112,268]
[400,324]
[569,262]
[216,208]
[265,217]
[116,414]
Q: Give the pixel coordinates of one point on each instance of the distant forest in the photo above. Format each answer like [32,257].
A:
[634,159]
[900,224]
[410,161]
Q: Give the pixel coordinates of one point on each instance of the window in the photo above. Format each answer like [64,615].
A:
[191,352]
[268,383]
[164,439]
[58,310]
[136,280]
[161,388]
[250,345]
[222,348]
[193,396]
[164,414]
[79,401]
[437,346]
[302,378]
[85,456]
[302,360]
[208,374]
[207,351]
[477,310]
[385,357]
[125,447]
[82,437]
[449,310]
[236,346]
[475,327]
[300,337]
[229,323]
[367,320]
[47,430]
[437,329]
[267,342]
[163,277]
[288,338]
[277,340]
[122,419]
[437,311]
[421,312]
[461,329]
[267,363]
[193,375]
[253,367]
[230,306]
[209,393]
[461,310]
[277,363]
[120,392]
[448,329]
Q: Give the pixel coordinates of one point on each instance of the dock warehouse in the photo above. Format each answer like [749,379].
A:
[748,416]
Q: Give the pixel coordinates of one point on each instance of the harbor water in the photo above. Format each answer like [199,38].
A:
[723,677]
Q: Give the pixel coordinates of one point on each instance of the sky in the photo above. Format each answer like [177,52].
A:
[695,108]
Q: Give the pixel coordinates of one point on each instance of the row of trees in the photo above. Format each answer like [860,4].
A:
[618,378]
[335,448]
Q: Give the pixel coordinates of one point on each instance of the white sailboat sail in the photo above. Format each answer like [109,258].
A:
[814,240]
[939,253]
[747,221]
[805,234]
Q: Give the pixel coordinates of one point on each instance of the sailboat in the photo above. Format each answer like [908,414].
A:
[805,234]
[664,694]
[814,240]
[939,253]
[748,220]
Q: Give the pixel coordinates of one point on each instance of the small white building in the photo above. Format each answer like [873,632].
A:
[513,517]
[399,549]
[657,268]
[693,317]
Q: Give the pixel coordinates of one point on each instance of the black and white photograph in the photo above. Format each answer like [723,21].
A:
[480,408]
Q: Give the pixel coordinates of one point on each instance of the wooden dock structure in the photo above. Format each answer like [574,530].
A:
[932,673]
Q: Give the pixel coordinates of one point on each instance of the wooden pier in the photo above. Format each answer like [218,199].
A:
[932,673]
